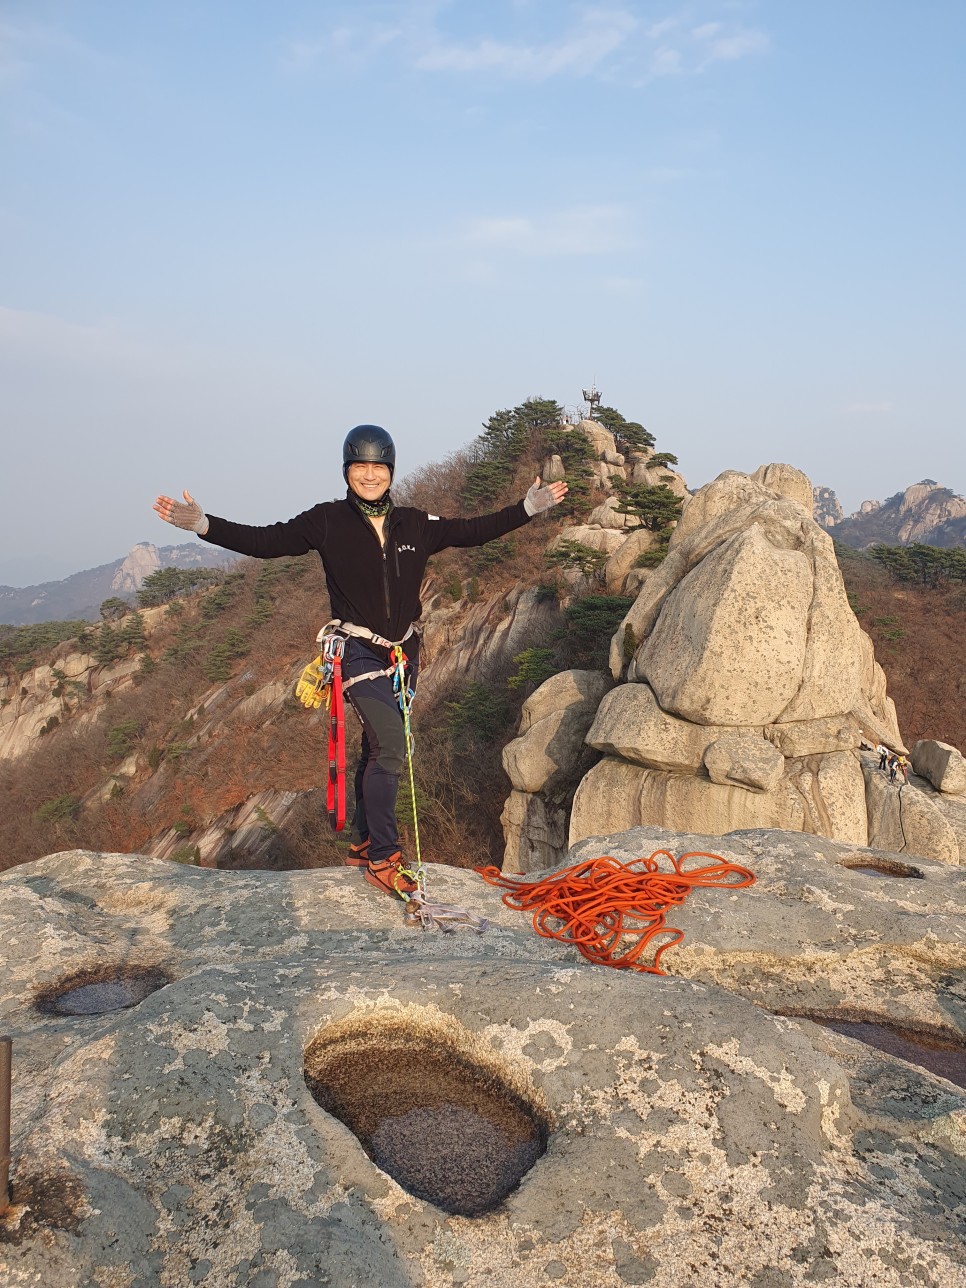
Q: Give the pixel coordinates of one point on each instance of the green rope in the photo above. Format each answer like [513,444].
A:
[419,874]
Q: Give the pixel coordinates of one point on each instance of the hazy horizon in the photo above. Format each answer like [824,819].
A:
[231,232]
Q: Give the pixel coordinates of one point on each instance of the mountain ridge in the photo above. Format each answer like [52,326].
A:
[925,513]
[80,595]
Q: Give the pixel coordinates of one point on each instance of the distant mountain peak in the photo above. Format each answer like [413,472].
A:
[925,512]
[80,595]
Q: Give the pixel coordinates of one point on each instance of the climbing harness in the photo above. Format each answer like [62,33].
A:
[612,911]
[322,683]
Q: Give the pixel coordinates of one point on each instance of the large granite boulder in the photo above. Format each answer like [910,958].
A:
[554,724]
[748,685]
[630,723]
[544,765]
[943,765]
[788,482]
[620,795]
[740,760]
[605,540]
[294,1071]
[722,613]
[608,515]
[623,562]
[600,439]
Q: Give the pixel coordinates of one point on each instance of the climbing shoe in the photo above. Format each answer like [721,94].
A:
[392,876]
[358,856]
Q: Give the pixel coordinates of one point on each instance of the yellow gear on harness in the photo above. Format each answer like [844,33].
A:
[312,690]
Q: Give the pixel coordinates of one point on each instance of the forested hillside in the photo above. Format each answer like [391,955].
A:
[191,714]
[190,737]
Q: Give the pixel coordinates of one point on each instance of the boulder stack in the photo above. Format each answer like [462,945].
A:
[746,690]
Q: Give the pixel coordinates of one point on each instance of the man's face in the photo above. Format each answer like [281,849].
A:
[368,479]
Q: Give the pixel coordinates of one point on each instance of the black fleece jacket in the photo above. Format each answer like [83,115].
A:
[369,584]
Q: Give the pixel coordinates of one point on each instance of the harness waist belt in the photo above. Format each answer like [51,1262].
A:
[362,633]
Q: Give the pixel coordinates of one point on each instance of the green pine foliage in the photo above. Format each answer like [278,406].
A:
[629,435]
[574,554]
[509,437]
[930,566]
[114,608]
[168,583]
[59,810]
[23,647]
[534,666]
[591,622]
[653,505]
[478,714]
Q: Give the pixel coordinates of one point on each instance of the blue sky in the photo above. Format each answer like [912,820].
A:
[230,231]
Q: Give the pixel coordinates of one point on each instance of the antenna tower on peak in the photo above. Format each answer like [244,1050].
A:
[592,397]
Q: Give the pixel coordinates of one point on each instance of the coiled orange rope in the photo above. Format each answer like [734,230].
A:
[612,911]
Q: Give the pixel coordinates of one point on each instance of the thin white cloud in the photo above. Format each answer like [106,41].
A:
[666,62]
[580,231]
[348,43]
[606,39]
[740,45]
[579,52]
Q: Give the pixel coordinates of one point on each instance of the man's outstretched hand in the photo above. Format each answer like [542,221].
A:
[186,514]
[538,499]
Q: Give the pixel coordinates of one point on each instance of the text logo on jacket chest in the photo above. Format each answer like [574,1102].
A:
[401,548]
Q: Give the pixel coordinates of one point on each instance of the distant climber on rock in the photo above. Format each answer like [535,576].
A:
[883,756]
[374,554]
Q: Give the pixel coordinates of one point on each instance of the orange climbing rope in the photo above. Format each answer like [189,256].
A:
[611,911]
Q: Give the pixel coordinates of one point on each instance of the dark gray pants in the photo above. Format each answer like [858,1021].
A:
[383,752]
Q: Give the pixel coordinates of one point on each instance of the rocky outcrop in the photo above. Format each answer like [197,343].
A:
[826,507]
[737,760]
[943,765]
[544,765]
[905,820]
[483,638]
[924,512]
[622,564]
[140,563]
[746,688]
[693,1135]
[247,836]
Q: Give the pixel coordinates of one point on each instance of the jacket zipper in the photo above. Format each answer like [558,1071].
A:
[385,565]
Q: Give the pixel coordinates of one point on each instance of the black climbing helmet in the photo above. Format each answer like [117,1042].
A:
[368,443]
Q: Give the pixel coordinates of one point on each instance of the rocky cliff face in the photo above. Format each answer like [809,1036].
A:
[745,689]
[268,1078]
[827,509]
[924,512]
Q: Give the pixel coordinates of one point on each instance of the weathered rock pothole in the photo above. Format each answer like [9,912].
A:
[884,868]
[433,1106]
[100,990]
[939,1051]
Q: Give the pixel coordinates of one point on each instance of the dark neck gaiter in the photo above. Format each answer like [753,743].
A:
[374,509]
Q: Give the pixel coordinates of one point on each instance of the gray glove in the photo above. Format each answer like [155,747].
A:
[538,499]
[187,514]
